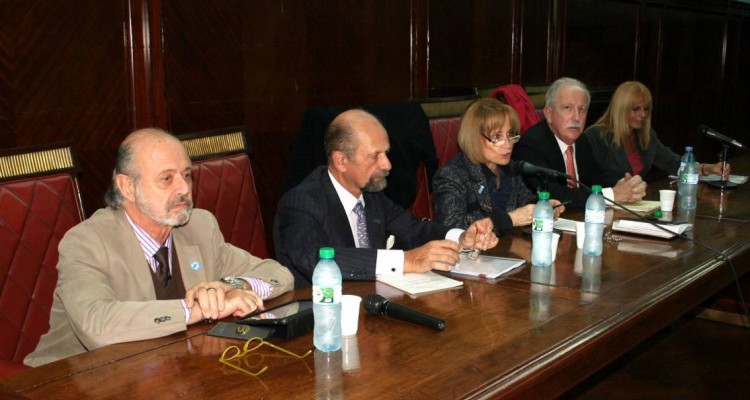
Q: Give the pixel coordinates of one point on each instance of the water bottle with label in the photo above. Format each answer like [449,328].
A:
[594,222]
[688,188]
[326,296]
[541,232]
[683,160]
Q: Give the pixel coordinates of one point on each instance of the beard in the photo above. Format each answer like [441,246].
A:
[377,182]
[177,218]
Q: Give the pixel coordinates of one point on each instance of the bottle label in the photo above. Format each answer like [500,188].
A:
[542,225]
[691,179]
[595,216]
[326,295]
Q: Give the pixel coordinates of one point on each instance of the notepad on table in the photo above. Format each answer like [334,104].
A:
[415,283]
[736,179]
[565,225]
[643,205]
[640,227]
[486,267]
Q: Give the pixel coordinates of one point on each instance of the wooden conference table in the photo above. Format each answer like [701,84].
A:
[533,334]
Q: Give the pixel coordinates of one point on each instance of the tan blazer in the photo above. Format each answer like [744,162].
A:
[105,294]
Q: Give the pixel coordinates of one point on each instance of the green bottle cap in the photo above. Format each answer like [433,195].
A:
[326,252]
[596,189]
[657,214]
[543,195]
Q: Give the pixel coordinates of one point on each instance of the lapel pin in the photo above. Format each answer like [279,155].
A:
[195,265]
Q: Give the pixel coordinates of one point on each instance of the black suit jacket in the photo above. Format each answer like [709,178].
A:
[539,147]
[311,216]
[408,133]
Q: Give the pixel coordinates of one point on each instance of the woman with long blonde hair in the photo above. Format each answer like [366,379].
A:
[624,141]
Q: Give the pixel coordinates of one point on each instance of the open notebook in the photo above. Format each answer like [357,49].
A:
[486,267]
[413,283]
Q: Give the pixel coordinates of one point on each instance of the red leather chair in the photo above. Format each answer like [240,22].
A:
[422,206]
[39,202]
[445,115]
[223,183]
[444,134]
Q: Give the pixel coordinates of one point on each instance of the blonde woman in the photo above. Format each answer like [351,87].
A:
[479,182]
[624,142]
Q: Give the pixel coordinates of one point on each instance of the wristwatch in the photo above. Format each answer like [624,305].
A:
[233,282]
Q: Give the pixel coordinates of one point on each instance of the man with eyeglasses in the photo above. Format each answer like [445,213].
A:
[342,205]
[480,181]
[556,143]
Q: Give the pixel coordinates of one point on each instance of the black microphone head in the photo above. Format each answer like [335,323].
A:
[516,167]
[375,304]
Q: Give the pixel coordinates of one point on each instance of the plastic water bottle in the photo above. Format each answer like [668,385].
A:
[688,188]
[683,160]
[326,296]
[541,232]
[595,212]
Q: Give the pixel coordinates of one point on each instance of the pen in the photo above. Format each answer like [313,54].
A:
[564,203]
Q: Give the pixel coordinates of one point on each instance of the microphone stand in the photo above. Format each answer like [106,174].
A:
[723,184]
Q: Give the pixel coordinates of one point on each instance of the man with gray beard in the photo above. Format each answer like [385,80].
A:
[342,205]
[149,264]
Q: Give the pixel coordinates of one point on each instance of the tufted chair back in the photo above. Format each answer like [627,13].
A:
[39,202]
[223,183]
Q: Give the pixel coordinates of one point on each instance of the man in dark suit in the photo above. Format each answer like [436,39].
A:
[320,212]
[556,143]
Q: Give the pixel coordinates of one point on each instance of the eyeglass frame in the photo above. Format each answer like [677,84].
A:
[499,139]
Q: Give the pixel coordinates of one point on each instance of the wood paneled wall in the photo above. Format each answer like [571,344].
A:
[93,70]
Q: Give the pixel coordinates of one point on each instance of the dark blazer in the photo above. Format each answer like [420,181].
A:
[408,133]
[539,147]
[461,197]
[311,216]
[614,161]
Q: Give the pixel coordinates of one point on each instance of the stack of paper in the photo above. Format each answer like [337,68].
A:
[647,228]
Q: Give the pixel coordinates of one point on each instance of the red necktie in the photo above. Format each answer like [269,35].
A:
[570,167]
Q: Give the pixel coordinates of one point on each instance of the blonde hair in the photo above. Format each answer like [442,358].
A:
[615,118]
[483,117]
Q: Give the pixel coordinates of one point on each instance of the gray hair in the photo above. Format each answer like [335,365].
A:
[551,95]
[124,164]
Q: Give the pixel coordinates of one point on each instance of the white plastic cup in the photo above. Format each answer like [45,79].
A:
[349,314]
[580,233]
[666,199]
[555,241]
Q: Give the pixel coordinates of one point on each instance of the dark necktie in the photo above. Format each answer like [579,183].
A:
[162,269]
[362,236]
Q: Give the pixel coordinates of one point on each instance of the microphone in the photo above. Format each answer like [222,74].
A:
[378,305]
[527,168]
[718,136]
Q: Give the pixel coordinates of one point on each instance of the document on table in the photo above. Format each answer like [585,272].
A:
[737,179]
[645,228]
[642,206]
[486,267]
[414,283]
[565,225]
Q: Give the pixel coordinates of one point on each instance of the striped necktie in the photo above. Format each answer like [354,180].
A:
[570,167]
